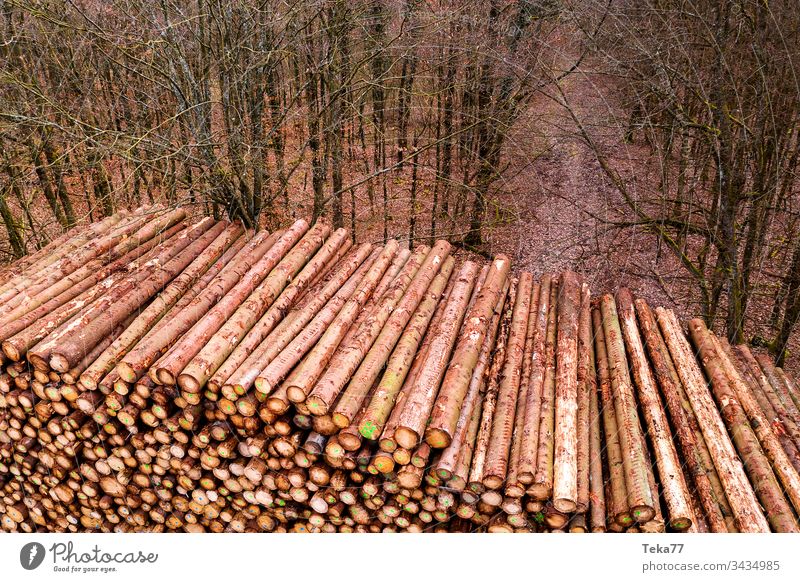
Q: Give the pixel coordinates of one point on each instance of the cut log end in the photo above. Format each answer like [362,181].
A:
[680,523]
[316,405]
[406,437]
[539,491]
[492,482]
[11,352]
[295,394]
[565,505]
[349,441]
[642,513]
[340,420]
[384,463]
[277,405]
[437,438]
[189,383]
[165,377]
[59,363]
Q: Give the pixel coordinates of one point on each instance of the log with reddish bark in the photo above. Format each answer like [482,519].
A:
[695,455]
[62,245]
[496,465]
[756,381]
[39,322]
[338,289]
[748,516]
[338,242]
[617,494]
[533,402]
[219,346]
[318,341]
[398,314]
[587,383]
[782,465]
[457,379]
[640,498]
[779,388]
[565,461]
[541,484]
[756,464]
[160,306]
[73,285]
[765,386]
[78,265]
[72,347]
[351,352]
[71,261]
[169,366]
[452,455]
[597,497]
[674,488]
[419,401]
[40,355]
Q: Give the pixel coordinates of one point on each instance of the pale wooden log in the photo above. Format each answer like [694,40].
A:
[674,488]
[419,402]
[710,493]
[219,346]
[640,499]
[323,334]
[475,477]
[497,453]
[457,379]
[278,311]
[533,402]
[193,340]
[565,458]
[747,512]
[352,351]
[397,368]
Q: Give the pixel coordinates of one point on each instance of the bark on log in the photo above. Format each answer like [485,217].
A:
[640,499]
[336,289]
[756,464]
[350,354]
[533,402]
[419,402]
[617,494]
[695,453]
[746,510]
[170,365]
[238,324]
[565,461]
[495,469]
[160,306]
[396,322]
[542,484]
[457,379]
[386,396]
[323,335]
[784,470]
[452,455]
[674,488]
[279,310]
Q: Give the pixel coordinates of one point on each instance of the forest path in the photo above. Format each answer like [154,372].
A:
[562,202]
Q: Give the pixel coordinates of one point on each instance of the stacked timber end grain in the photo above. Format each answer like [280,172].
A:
[160,374]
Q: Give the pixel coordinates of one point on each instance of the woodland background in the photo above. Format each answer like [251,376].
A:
[647,143]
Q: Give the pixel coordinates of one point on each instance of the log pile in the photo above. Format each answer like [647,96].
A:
[160,374]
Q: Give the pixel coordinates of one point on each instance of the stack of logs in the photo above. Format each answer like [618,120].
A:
[163,375]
